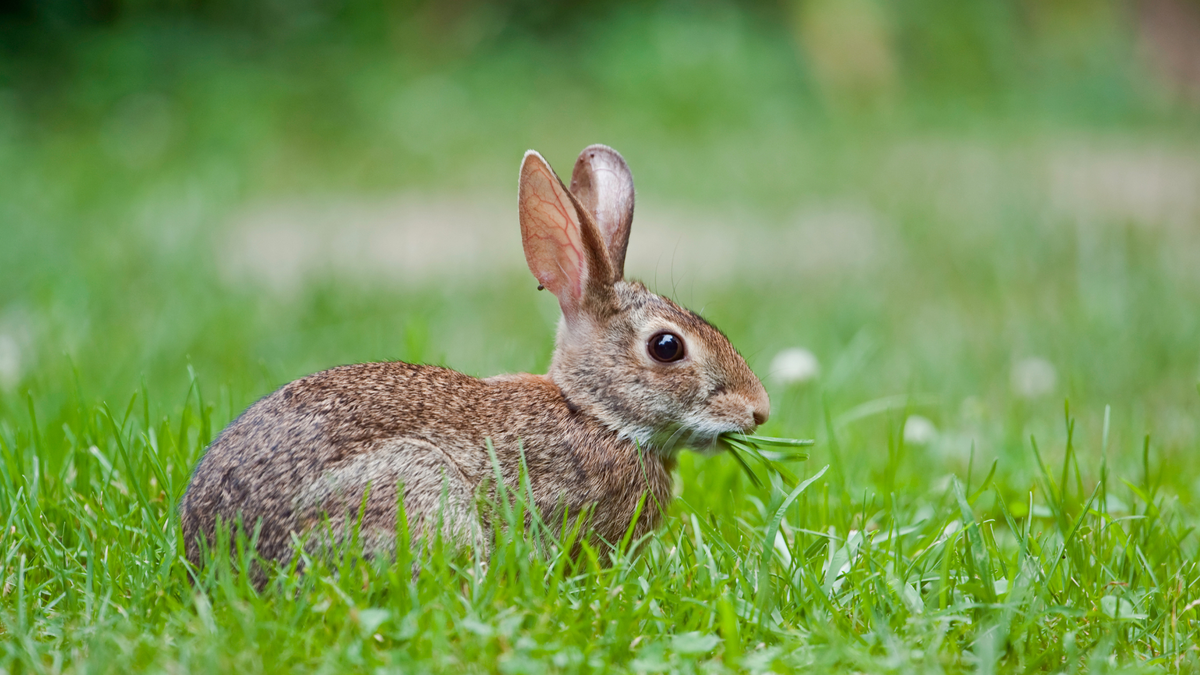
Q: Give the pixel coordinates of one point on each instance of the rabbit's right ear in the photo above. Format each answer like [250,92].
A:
[604,186]
[562,246]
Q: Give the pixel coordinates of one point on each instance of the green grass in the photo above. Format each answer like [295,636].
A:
[1021,535]
[941,575]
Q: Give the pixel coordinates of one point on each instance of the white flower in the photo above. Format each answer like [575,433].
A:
[919,430]
[1033,377]
[793,365]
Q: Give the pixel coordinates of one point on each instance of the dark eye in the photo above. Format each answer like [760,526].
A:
[666,347]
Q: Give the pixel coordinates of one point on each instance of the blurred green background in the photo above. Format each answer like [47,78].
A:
[966,209]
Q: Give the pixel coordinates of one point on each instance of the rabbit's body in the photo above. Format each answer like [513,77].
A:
[634,376]
[312,448]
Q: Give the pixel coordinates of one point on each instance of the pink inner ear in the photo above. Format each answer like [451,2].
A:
[550,232]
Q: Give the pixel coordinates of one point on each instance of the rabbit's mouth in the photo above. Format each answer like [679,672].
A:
[700,437]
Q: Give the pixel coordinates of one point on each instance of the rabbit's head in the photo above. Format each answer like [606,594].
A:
[653,371]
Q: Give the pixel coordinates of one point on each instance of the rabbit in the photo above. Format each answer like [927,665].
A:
[633,377]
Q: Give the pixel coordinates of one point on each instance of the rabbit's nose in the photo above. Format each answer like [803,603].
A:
[760,408]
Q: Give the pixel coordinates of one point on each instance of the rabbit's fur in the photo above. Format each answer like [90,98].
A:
[598,432]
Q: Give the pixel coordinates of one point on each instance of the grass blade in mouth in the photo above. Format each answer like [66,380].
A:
[770,452]
[737,455]
[767,440]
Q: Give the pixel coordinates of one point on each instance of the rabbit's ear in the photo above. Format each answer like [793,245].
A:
[562,246]
[603,184]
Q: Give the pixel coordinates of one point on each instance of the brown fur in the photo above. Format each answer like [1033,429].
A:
[598,433]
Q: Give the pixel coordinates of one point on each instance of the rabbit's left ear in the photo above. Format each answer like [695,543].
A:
[604,186]
[562,246]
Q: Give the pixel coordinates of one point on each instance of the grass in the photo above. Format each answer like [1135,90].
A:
[772,453]
[1096,574]
[943,267]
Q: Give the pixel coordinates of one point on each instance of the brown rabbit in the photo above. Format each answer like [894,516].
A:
[634,376]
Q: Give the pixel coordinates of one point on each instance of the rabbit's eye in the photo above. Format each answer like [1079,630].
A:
[666,347]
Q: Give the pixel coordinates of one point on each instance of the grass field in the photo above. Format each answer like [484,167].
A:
[1001,298]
